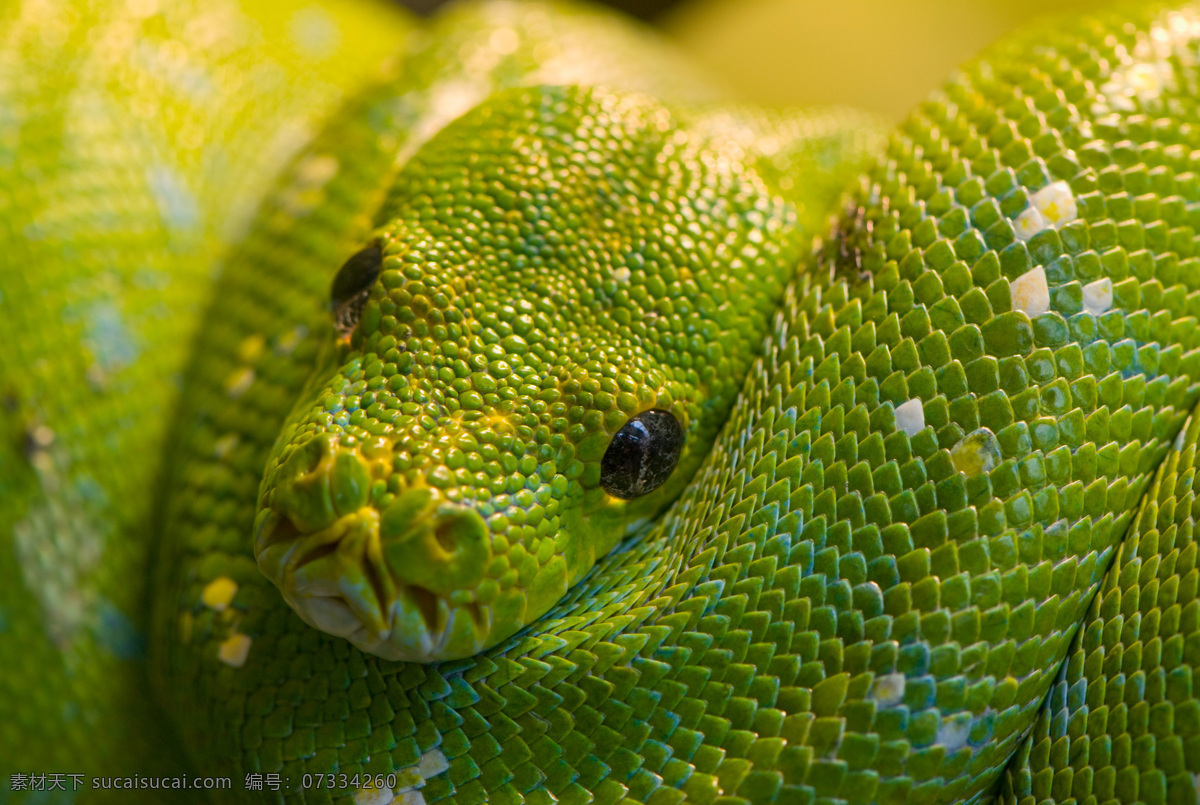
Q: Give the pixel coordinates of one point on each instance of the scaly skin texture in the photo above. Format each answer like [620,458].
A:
[904,480]
[207,680]
[1120,723]
[136,140]
[507,340]
[867,587]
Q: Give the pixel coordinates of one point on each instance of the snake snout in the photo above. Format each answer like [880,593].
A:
[397,576]
[440,547]
[319,482]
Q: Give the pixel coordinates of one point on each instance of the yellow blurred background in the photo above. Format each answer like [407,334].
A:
[882,55]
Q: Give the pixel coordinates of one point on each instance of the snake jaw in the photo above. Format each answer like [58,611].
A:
[343,580]
[400,583]
[331,577]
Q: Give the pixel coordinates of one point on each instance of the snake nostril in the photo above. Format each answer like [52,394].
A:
[439,546]
[308,457]
[445,532]
[445,537]
[320,481]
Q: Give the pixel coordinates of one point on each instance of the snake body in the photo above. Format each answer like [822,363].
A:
[928,538]
[136,138]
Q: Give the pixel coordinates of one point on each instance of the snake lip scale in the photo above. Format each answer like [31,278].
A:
[355,606]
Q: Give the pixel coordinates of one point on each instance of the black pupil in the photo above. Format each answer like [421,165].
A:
[352,286]
[642,455]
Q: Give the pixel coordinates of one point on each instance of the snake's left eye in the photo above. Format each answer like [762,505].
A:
[352,286]
[642,455]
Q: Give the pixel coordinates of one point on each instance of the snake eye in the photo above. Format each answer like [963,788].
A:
[642,455]
[352,286]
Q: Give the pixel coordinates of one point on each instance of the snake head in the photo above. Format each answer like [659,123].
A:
[525,364]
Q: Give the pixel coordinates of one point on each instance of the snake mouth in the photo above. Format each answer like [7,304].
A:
[402,569]
[353,579]
[400,580]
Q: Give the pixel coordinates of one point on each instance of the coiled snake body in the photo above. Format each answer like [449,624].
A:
[591,480]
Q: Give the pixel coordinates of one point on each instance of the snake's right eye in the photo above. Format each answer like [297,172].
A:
[352,286]
[642,455]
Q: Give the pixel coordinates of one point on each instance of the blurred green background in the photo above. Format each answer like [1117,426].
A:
[883,55]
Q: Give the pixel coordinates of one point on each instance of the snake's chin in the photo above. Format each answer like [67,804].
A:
[333,615]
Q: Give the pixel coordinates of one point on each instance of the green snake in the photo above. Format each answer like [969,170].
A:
[510,424]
